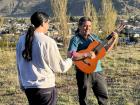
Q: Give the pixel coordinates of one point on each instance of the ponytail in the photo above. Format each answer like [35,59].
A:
[27,52]
[37,19]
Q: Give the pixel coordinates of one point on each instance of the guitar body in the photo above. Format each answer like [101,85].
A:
[88,65]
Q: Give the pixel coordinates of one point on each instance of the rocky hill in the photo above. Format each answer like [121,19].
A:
[26,7]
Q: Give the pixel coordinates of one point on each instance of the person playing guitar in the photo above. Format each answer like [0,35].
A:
[86,51]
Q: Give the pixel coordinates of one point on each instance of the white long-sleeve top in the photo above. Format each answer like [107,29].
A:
[46,60]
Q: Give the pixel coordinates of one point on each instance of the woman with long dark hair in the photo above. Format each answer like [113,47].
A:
[38,59]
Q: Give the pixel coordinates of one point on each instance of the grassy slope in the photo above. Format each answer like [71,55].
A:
[122,71]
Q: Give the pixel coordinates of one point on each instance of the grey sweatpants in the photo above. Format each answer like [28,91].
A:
[97,83]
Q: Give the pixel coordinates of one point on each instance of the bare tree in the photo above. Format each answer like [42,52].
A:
[1,21]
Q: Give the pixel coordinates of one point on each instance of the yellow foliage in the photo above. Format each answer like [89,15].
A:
[59,8]
[90,11]
[109,17]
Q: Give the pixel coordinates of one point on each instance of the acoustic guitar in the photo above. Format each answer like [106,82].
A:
[88,65]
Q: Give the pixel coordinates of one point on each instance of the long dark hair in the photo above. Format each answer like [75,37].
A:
[81,21]
[37,19]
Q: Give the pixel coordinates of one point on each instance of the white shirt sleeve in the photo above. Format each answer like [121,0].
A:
[57,64]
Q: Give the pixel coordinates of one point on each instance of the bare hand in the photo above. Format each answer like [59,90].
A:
[115,35]
[91,55]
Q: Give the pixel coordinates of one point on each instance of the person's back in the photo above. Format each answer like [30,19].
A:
[38,58]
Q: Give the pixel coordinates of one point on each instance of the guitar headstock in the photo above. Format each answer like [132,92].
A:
[117,30]
[120,27]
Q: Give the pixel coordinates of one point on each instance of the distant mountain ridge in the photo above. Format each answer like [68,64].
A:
[75,7]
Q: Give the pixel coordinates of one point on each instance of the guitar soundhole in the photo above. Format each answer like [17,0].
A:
[96,52]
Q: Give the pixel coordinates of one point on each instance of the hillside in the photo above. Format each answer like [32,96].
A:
[27,7]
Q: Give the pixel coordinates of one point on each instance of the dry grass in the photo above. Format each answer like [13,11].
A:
[121,68]
[9,87]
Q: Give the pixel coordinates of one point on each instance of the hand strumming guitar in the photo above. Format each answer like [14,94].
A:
[91,55]
[77,56]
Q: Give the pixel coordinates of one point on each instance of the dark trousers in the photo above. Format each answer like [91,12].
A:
[38,96]
[98,85]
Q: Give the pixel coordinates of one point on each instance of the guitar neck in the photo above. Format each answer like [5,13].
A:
[108,41]
[105,44]
[110,37]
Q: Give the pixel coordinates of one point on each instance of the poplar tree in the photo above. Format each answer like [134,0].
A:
[1,21]
[59,9]
[90,11]
[108,17]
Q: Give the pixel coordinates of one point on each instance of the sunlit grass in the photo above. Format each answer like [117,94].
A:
[121,69]
[9,87]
